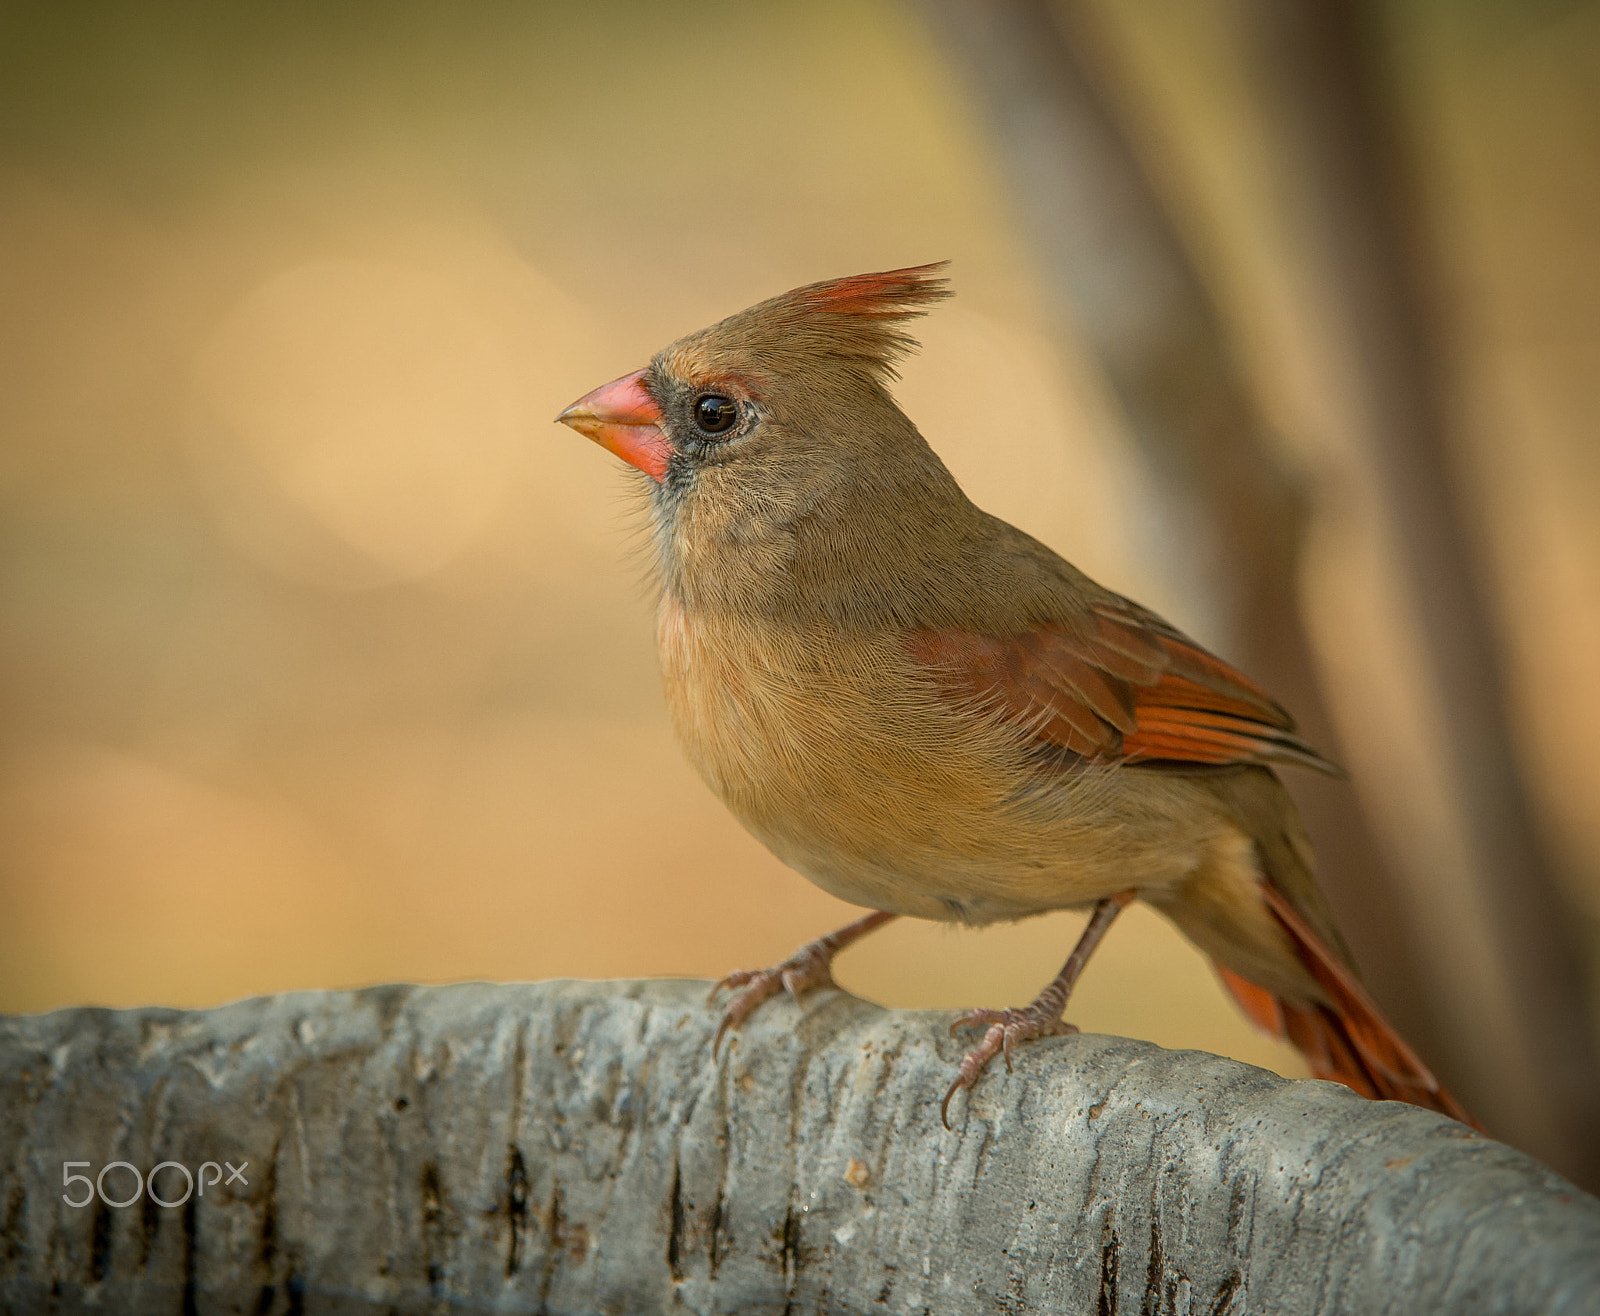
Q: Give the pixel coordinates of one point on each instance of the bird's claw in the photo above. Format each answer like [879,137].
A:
[807,969]
[1005,1028]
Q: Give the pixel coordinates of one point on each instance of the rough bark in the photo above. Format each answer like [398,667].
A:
[573,1147]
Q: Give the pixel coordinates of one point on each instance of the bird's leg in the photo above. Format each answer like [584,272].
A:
[808,968]
[1043,1017]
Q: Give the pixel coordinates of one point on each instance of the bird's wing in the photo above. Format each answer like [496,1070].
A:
[1117,685]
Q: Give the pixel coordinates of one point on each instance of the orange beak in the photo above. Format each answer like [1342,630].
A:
[622,417]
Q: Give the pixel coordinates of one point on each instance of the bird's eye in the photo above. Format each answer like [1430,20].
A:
[714,413]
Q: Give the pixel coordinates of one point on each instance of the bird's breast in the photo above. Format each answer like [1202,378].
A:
[815,740]
[766,712]
[847,762]
[721,693]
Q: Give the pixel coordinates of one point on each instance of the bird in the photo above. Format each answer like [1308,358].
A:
[931,714]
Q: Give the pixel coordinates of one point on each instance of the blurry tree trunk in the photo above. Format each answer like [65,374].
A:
[573,1147]
[1520,1025]
[1120,280]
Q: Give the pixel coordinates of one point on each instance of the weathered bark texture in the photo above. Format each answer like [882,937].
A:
[573,1147]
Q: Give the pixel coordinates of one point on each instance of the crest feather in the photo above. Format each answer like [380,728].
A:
[848,320]
[888,295]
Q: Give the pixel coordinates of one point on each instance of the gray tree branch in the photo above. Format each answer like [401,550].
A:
[573,1147]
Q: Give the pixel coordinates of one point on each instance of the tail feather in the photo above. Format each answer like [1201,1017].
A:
[1349,1040]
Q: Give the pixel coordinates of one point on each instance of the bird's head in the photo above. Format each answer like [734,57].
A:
[777,415]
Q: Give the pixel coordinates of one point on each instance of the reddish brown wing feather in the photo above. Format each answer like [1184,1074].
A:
[1136,690]
[1132,689]
[1350,1042]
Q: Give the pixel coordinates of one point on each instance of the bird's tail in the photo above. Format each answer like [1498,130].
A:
[1349,1040]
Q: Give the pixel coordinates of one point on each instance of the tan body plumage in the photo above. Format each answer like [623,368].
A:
[927,712]
[843,759]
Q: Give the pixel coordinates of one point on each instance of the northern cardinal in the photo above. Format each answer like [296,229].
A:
[928,712]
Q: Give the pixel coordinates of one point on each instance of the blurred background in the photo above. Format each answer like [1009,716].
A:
[325,656]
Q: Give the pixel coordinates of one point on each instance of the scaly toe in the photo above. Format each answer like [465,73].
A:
[981,1019]
[806,973]
[800,973]
[1006,1029]
[732,982]
[756,987]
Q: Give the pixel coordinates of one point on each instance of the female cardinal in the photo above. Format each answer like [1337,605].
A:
[928,712]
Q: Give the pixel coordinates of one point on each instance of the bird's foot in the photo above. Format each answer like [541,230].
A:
[807,969]
[1006,1028]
